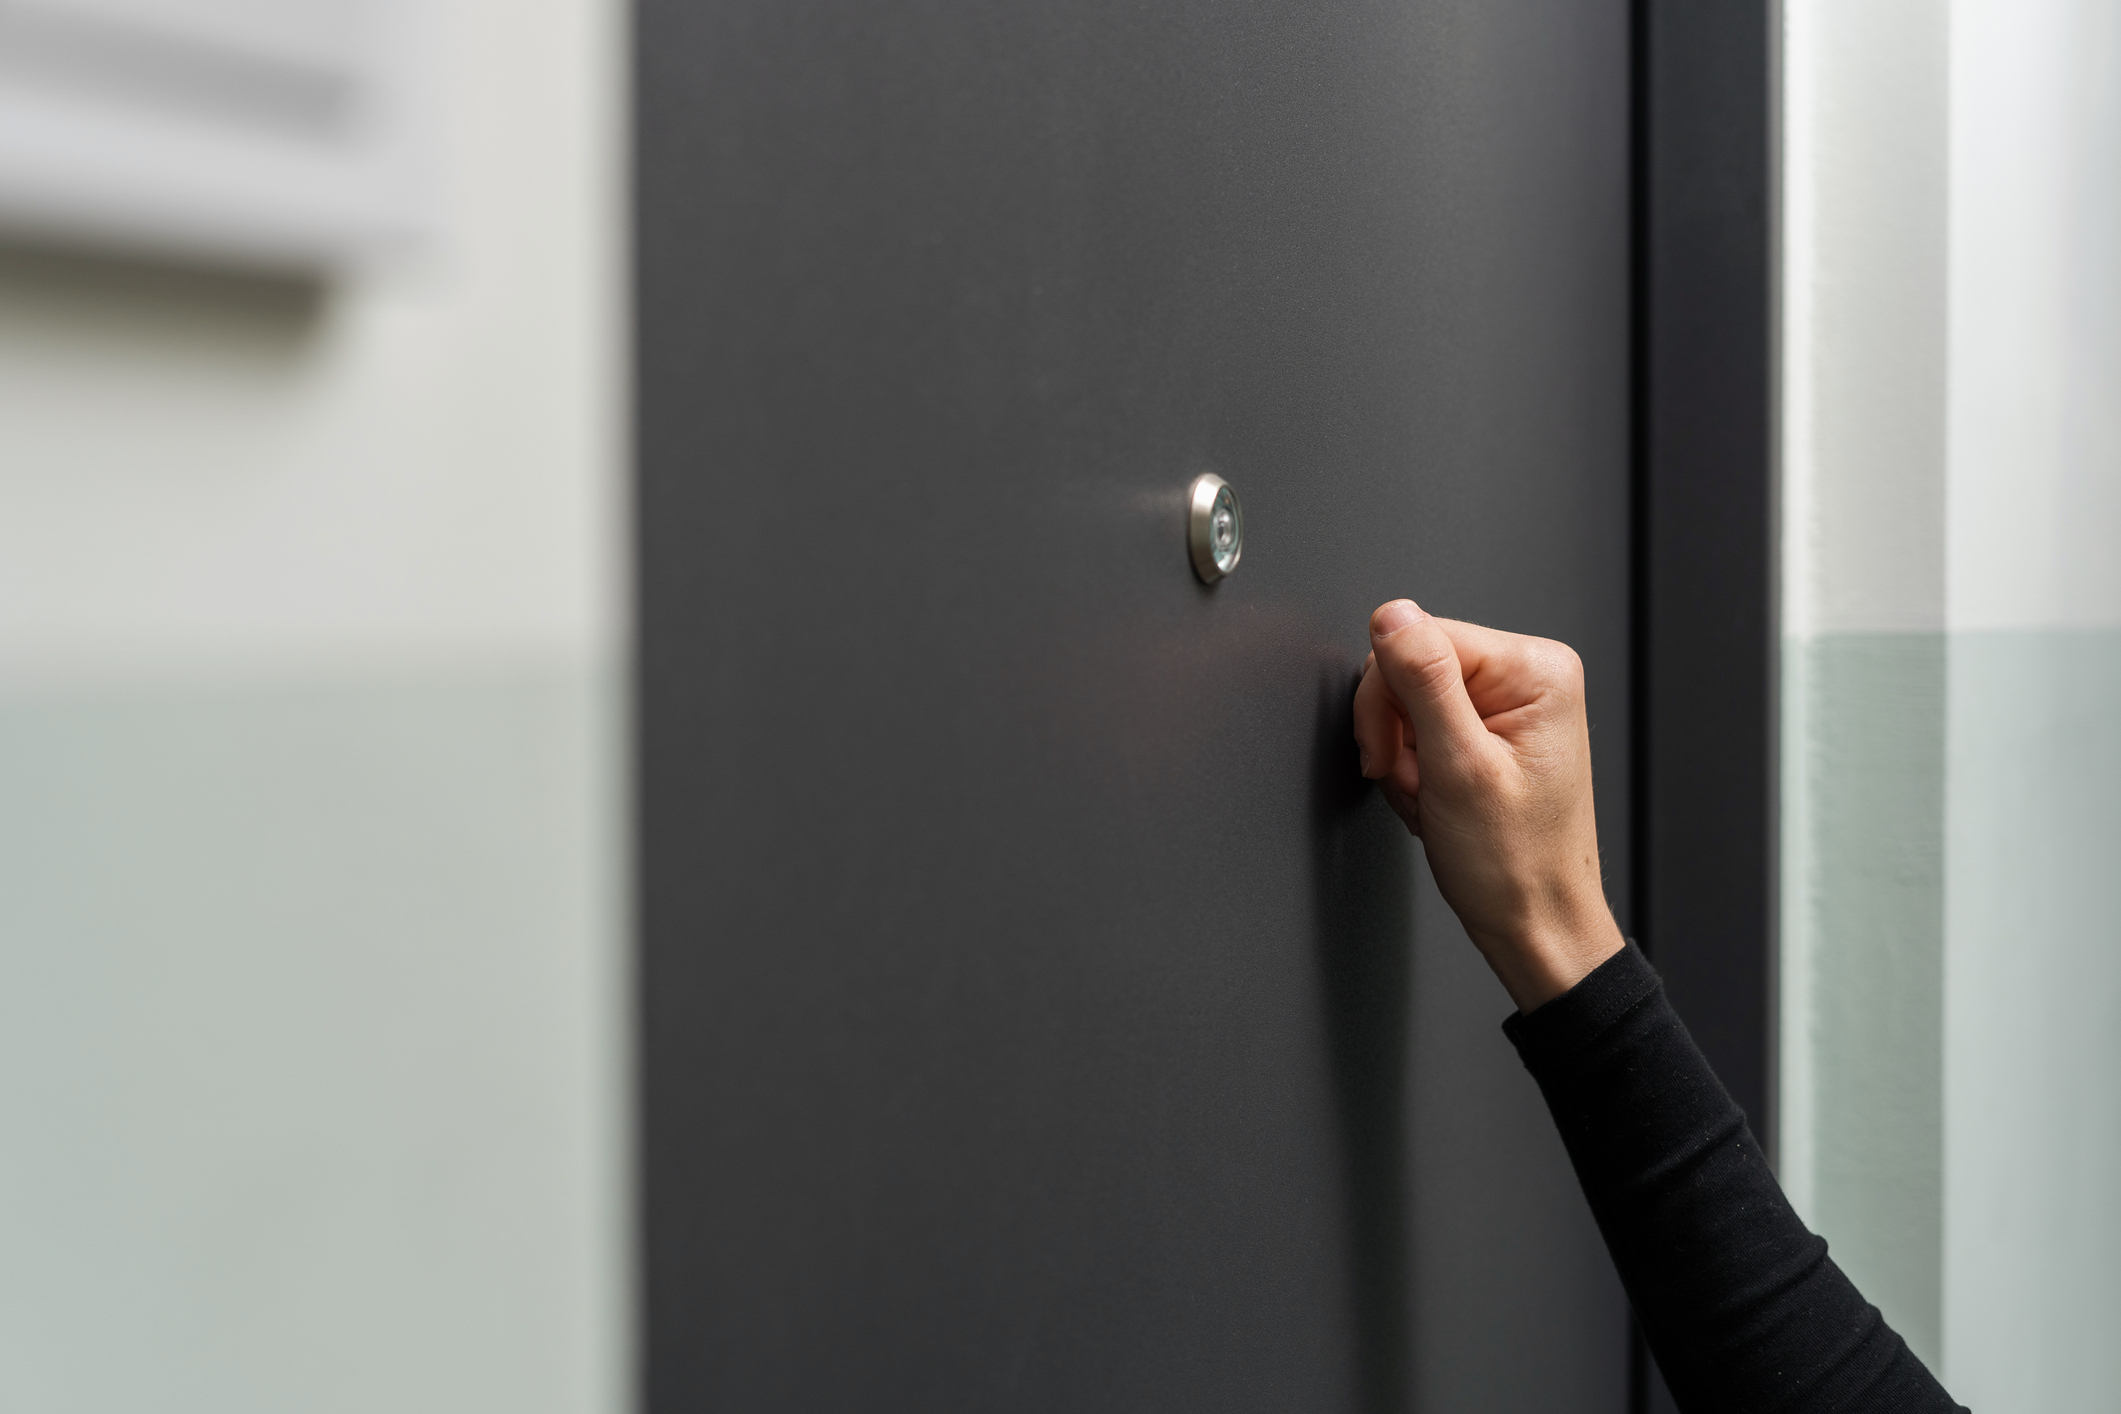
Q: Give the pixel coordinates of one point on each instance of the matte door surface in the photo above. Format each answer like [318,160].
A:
[1037,1013]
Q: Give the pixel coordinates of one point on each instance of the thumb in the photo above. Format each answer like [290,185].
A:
[1420,665]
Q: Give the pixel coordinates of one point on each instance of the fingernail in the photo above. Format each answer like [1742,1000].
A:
[1393,617]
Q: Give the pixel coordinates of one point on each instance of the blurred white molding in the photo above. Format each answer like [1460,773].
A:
[291,134]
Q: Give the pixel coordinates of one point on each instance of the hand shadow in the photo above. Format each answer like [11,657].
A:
[1362,883]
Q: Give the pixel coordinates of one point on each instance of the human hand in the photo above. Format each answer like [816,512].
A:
[1479,742]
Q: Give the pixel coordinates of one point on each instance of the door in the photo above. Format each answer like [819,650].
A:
[1037,1012]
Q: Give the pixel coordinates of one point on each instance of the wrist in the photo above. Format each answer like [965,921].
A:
[1541,958]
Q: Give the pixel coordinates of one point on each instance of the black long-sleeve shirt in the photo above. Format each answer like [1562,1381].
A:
[1739,1301]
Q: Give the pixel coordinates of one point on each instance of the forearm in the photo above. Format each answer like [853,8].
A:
[1739,1301]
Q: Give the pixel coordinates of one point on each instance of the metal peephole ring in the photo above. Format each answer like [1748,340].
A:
[1215,527]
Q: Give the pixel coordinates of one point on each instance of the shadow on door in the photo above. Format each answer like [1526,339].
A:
[1363,902]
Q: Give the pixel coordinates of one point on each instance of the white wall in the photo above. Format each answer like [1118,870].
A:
[2035,421]
[1864,197]
[311,1057]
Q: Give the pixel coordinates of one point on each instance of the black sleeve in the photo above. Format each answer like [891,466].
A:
[1740,1303]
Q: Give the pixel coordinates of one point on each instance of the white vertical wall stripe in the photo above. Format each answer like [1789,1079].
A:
[2032,1255]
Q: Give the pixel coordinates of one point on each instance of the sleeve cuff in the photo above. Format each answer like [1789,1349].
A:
[1576,1018]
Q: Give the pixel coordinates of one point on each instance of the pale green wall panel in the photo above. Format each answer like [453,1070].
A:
[311,1083]
[2033,1021]
[1873,762]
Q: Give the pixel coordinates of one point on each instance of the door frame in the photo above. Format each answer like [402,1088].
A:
[1705,783]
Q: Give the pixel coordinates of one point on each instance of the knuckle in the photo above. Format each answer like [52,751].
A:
[1432,665]
[1559,666]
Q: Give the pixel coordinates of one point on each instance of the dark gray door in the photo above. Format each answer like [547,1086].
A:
[1036,1013]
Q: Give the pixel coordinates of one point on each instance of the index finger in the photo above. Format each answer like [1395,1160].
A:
[1506,671]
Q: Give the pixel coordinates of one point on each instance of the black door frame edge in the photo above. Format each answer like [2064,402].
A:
[1703,885]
